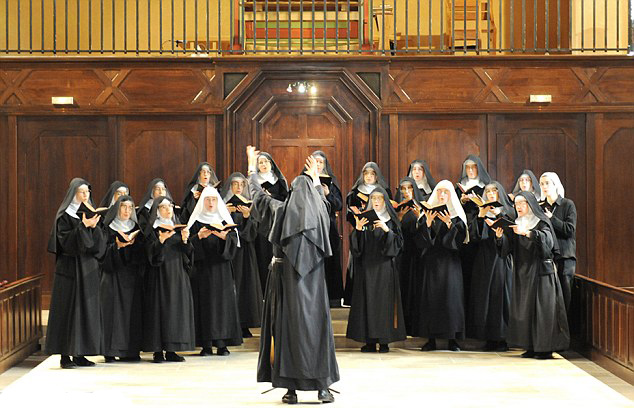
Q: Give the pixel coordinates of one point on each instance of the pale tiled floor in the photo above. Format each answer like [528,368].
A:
[404,376]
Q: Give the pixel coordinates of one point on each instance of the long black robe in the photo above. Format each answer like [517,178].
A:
[441,303]
[168,307]
[334,278]
[537,318]
[376,314]
[297,347]
[74,322]
[245,273]
[121,293]
[213,289]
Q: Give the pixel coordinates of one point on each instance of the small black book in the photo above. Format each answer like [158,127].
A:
[123,237]
[90,211]
[237,200]
[370,215]
[220,227]
[475,189]
[503,222]
[481,203]
[200,187]
[166,228]
[405,204]
[442,208]
[325,179]
[267,185]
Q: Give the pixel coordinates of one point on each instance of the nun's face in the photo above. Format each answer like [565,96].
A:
[321,164]
[166,210]
[548,188]
[418,172]
[159,190]
[443,195]
[491,193]
[211,203]
[369,176]
[204,175]
[237,186]
[525,182]
[378,202]
[119,192]
[472,170]
[521,205]
[264,164]
[125,210]
[407,191]
[82,194]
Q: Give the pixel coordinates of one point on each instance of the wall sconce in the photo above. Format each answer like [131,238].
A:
[63,101]
[302,87]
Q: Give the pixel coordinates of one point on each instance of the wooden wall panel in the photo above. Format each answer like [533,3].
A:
[51,152]
[166,147]
[544,143]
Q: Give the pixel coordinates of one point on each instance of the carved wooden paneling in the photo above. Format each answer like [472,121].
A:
[40,85]
[443,140]
[166,147]
[51,152]
[544,143]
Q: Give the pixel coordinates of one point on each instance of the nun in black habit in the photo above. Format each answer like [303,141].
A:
[537,321]
[203,177]
[213,288]
[74,323]
[441,236]
[473,178]
[526,181]
[419,171]
[156,188]
[376,314]
[272,181]
[121,286]
[408,260]
[168,307]
[297,348]
[334,277]
[356,200]
[245,265]
[116,190]
[491,281]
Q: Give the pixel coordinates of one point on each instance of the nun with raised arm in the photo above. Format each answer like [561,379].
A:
[376,313]
[491,281]
[332,191]
[441,235]
[271,180]
[203,176]
[563,216]
[245,265]
[526,181]
[419,171]
[156,188]
[74,323]
[116,190]
[297,346]
[168,306]
[213,288]
[121,288]
[537,320]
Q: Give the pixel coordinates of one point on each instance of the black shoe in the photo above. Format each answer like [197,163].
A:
[490,346]
[383,348]
[453,345]
[109,359]
[429,346]
[544,356]
[206,351]
[173,357]
[158,357]
[290,397]
[369,348]
[528,354]
[130,359]
[246,333]
[82,361]
[223,351]
[66,362]
[325,396]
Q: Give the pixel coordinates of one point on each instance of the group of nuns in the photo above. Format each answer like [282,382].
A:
[415,271]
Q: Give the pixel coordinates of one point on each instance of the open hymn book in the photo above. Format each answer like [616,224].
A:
[90,211]
[123,237]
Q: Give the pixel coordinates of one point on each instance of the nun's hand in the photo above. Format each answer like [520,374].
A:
[498,232]
[484,210]
[446,218]
[464,198]
[490,222]
[165,235]
[416,211]
[90,222]
[326,189]
[360,223]
[252,157]
[402,212]
[231,208]
[429,217]
[185,234]
[222,235]
[246,211]
[355,209]
[203,233]
[196,195]
[311,168]
[382,225]
[548,213]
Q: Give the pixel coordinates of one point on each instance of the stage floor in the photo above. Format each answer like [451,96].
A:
[442,379]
